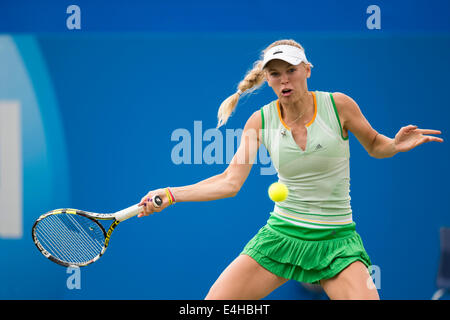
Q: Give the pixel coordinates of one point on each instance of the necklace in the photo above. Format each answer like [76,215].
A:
[283,130]
[301,115]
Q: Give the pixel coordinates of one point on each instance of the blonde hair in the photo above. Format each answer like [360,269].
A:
[252,81]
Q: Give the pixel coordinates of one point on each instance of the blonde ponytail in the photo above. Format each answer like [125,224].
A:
[253,80]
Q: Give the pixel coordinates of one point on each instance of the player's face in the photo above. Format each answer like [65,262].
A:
[286,80]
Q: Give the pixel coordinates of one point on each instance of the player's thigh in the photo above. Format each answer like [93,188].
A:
[244,279]
[354,282]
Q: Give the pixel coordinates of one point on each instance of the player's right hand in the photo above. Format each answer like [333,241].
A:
[148,205]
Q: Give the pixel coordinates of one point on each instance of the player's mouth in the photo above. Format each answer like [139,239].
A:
[286,92]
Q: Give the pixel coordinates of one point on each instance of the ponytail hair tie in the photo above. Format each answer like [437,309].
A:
[239,92]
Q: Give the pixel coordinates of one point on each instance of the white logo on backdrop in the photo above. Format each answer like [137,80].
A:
[10,171]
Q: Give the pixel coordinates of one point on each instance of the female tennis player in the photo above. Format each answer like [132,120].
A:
[310,237]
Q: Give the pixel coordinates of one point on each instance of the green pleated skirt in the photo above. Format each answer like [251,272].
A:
[303,254]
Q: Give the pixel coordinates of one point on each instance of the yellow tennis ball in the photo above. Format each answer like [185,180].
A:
[278,192]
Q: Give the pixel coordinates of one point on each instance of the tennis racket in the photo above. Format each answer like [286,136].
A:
[71,237]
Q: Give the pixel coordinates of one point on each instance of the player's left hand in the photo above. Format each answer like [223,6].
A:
[411,136]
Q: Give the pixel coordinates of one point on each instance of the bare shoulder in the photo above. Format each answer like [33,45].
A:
[347,108]
[253,126]
[343,101]
[254,121]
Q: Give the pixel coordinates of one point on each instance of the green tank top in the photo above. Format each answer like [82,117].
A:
[318,178]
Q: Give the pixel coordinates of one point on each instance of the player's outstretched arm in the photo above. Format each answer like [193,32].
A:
[376,144]
[224,185]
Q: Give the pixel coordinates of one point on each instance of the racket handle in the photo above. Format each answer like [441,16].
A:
[127,213]
[157,201]
[132,211]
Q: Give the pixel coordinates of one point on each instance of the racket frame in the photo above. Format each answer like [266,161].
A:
[94,217]
[118,217]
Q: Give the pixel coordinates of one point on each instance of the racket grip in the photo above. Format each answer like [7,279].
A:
[157,201]
[127,213]
[132,211]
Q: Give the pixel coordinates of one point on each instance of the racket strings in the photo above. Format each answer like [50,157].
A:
[69,241]
[70,238]
[60,243]
[57,246]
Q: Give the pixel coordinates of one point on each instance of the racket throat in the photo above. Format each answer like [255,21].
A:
[110,230]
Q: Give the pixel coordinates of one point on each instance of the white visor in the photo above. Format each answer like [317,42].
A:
[290,54]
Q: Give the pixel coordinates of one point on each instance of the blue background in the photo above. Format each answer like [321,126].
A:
[110,95]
